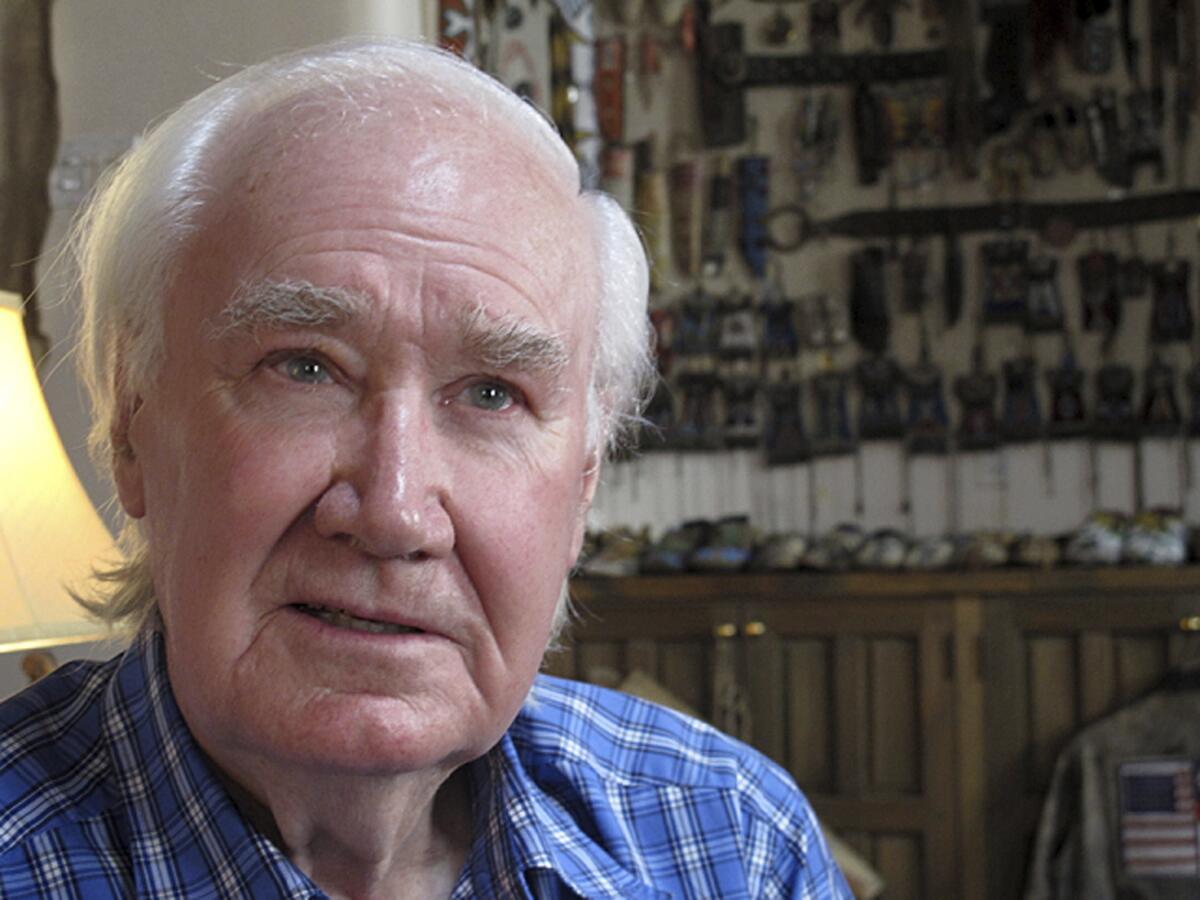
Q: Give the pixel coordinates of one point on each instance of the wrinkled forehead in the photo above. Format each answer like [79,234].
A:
[434,155]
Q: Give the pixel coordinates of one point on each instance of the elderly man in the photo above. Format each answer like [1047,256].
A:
[357,342]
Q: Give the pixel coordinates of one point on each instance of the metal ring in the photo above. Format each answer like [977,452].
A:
[803,227]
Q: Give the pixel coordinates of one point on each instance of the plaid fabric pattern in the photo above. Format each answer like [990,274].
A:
[104,793]
[594,793]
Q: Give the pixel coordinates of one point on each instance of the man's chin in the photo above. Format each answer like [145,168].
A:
[361,735]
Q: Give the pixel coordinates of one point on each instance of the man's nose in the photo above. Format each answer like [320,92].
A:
[388,497]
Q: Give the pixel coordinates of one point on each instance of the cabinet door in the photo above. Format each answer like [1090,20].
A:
[664,628]
[1054,664]
[855,697]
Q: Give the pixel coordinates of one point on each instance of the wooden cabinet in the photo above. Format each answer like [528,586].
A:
[921,714]
[1058,658]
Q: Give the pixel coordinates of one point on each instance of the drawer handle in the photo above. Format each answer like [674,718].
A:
[1189,623]
[725,630]
[756,629]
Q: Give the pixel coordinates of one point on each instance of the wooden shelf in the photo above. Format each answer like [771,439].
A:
[813,586]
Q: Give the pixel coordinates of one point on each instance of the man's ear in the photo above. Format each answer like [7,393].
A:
[587,492]
[591,479]
[127,467]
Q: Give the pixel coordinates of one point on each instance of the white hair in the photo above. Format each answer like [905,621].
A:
[129,239]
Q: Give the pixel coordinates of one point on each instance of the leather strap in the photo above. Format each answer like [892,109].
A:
[609,87]
[1193,387]
[718,221]
[1022,416]
[616,173]
[831,432]
[685,216]
[726,71]
[879,416]
[753,173]
[651,199]
[789,226]
[927,422]
[1160,414]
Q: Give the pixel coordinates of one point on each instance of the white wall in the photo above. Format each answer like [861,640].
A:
[122,63]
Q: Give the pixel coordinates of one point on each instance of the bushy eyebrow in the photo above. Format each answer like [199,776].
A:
[289,303]
[507,343]
[500,342]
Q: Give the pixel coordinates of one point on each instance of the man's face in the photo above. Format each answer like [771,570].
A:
[359,529]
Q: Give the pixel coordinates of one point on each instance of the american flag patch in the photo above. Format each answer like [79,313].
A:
[1159,818]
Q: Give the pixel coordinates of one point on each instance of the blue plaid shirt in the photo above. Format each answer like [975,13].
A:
[104,793]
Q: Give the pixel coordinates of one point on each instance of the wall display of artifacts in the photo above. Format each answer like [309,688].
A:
[925,268]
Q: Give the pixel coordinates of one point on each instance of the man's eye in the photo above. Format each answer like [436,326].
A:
[490,395]
[306,369]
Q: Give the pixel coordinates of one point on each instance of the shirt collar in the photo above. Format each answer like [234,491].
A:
[524,836]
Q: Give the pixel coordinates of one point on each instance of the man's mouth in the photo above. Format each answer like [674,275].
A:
[339,618]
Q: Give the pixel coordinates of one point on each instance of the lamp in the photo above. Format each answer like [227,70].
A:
[50,534]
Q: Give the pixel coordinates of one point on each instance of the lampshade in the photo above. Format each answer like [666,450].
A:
[50,534]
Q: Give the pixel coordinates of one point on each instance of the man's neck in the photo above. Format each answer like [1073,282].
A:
[358,839]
